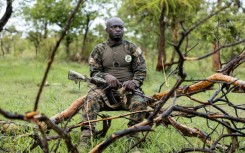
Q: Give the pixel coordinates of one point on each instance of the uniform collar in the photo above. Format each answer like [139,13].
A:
[111,44]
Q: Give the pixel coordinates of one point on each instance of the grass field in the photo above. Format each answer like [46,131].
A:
[19,84]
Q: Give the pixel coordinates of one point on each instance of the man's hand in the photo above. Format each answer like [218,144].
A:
[112,81]
[129,85]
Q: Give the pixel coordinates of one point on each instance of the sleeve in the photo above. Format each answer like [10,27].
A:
[95,63]
[139,67]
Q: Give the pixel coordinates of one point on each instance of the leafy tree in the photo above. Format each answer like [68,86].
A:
[35,37]
[158,14]
[7,40]
[51,13]
[223,28]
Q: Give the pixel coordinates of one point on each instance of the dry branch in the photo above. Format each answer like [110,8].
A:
[11,116]
[206,150]
[234,63]
[213,117]
[202,85]
[36,118]
[69,112]
[105,119]
[63,134]
[99,148]
[234,141]
[191,132]
[223,136]
[215,51]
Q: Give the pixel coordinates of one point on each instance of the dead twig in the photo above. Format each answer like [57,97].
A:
[100,147]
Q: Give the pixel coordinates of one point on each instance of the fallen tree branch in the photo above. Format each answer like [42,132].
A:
[234,141]
[69,112]
[100,147]
[184,150]
[104,119]
[190,132]
[202,85]
[212,117]
[223,136]
[233,64]
[11,116]
[34,117]
[60,131]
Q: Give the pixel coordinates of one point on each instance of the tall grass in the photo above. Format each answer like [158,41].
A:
[19,83]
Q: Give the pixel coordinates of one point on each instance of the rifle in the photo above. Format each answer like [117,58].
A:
[100,82]
[78,77]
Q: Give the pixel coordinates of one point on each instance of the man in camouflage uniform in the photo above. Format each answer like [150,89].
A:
[120,63]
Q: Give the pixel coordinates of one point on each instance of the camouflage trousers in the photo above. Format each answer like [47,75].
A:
[97,101]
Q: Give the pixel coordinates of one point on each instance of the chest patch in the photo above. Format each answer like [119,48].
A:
[128,58]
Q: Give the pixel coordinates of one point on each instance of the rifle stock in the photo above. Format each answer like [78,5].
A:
[75,76]
[78,77]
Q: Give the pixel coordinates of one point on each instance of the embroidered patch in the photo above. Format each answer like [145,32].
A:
[128,58]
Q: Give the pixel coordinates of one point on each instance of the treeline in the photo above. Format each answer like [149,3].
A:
[156,26]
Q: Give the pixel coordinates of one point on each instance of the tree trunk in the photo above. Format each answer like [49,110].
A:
[216,57]
[85,36]
[161,60]
[174,30]
[45,30]
[67,44]
[6,15]
[2,47]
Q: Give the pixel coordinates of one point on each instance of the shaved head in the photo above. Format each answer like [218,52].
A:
[114,20]
[114,28]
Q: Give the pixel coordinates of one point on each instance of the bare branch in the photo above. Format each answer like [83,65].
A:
[100,147]
[215,51]
[200,86]
[51,59]
[11,116]
[60,131]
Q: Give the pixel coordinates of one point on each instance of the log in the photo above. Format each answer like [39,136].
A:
[69,112]
[203,85]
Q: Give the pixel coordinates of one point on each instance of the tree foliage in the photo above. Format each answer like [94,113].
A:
[158,15]
[49,16]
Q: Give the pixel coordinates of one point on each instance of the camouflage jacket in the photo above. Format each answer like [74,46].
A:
[138,66]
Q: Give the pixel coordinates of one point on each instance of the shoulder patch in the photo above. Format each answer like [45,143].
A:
[138,50]
[91,61]
[101,45]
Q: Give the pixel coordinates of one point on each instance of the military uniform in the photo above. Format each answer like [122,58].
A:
[125,61]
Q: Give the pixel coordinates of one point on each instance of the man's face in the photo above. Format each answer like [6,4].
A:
[115,29]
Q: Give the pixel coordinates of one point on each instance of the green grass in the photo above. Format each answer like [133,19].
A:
[19,84]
